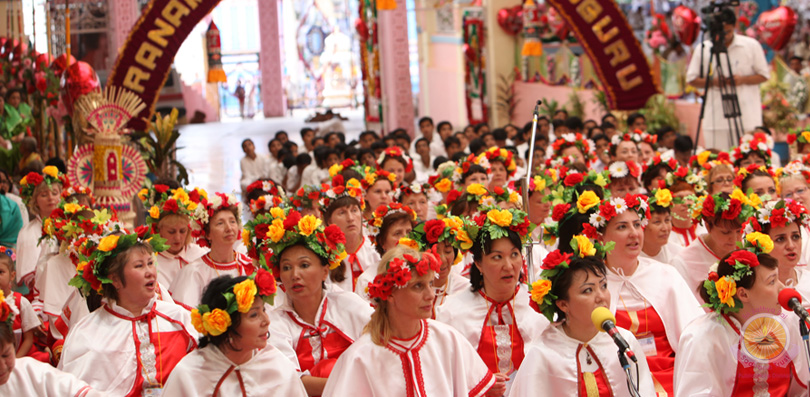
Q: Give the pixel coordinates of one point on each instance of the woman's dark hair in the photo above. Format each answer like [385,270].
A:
[349,173]
[747,281]
[474,169]
[569,228]
[749,177]
[480,247]
[652,173]
[562,284]
[212,296]
[7,335]
[389,221]
[460,206]
[747,156]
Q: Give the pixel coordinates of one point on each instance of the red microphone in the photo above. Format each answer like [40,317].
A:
[790,299]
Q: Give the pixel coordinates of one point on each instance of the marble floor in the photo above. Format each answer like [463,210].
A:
[211,151]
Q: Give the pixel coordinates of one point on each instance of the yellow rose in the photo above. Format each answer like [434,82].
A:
[585,246]
[354,183]
[514,197]
[143,194]
[245,292]
[392,178]
[738,195]
[276,230]
[202,193]
[335,169]
[539,184]
[726,288]
[464,238]
[51,171]
[277,213]
[477,189]
[453,222]
[308,224]
[196,321]
[216,321]
[79,267]
[340,257]
[806,135]
[180,195]
[47,226]
[600,180]
[755,201]
[191,206]
[703,157]
[763,240]
[540,289]
[502,218]
[24,181]
[71,208]
[663,197]
[154,212]
[245,237]
[587,200]
[511,166]
[108,243]
[444,185]
[409,243]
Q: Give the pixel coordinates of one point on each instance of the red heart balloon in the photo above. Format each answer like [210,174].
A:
[510,19]
[686,24]
[61,63]
[776,26]
[79,79]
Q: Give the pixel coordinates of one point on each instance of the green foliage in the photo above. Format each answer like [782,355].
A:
[660,111]
[506,101]
[549,106]
[158,148]
[575,104]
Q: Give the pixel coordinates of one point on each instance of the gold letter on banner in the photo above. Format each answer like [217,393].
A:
[589,10]
[134,77]
[174,12]
[599,26]
[159,35]
[193,3]
[622,75]
[147,54]
[619,52]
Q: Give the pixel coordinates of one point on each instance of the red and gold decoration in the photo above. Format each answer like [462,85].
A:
[214,50]
[475,86]
[366,26]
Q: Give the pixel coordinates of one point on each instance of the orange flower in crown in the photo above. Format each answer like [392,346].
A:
[503,156]
[340,189]
[395,152]
[372,177]
[387,209]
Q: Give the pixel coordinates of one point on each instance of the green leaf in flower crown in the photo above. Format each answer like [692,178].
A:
[496,232]
[203,308]
[231,305]
[101,216]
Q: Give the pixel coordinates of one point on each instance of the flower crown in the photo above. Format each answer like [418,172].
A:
[264,203]
[547,178]
[798,135]
[742,172]
[206,210]
[92,270]
[504,156]
[566,189]
[8,310]
[284,227]
[372,177]
[399,271]
[308,196]
[736,207]
[464,166]
[684,174]
[340,189]
[621,169]
[338,168]
[77,189]
[671,164]
[50,175]
[267,186]
[387,209]
[779,214]
[504,195]
[496,223]
[705,160]
[238,298]
[662,199]
[573,139]
[450,230]
[795,167]
[556,264]
[478,193]
[171,202]
[722,290]
[394,152]
[610,208]
[635,137]
[65,224]
[559,161]
[443,180]
[757,143]
[414,188]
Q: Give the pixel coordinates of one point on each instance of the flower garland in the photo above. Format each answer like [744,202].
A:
[743,172]
[662,199]
[264,203]
[464,166]
[284,227]
[501,155]
[68,222]
[722,290]
[394,152]
[496,223]
[399,271]
[684,174]
[238,298]
[8,310]
[757,143]
[706,160]
[74,190]
[635,137]
[555,264]
[338,168]
[610,208]
[50,175]
[267,186]
[735,207]
[478,193]
[307,197]
[170,202]
[795,167]
[206,210]
[671,164]
[799,135]
[621,169]
[573,139]
[352,188]
[92,270]
[565,190]
[372,177]
[779,214]
[503,195]
[559,161]
[387,209]
[8,252]
[443,180]
[414,188]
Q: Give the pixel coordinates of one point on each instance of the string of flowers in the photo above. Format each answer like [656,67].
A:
[239,298]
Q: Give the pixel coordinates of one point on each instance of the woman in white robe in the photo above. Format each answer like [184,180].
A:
[659,228]
[714,361]
[132,342]
[234,358]
[404,353]
[572,357]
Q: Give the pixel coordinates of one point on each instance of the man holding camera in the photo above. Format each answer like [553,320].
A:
[749,67]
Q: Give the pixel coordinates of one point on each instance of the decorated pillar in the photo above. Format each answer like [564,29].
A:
[123,15]
[500,58]
[395,67]
[271,58]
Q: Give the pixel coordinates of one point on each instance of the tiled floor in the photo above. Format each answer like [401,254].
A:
[212,151]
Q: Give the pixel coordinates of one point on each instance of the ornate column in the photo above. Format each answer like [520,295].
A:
[395,68]
[123,15]
[271,58]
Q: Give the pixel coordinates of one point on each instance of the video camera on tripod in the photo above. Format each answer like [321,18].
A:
[715,15]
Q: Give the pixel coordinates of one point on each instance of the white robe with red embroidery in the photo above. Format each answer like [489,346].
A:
[28,251]
[202,371]
[551,367]
[190,283]
[54,290]
[438,362]
[118,353]
[34,378]
[706,364]
[693,264]
[169,265]
[367,258]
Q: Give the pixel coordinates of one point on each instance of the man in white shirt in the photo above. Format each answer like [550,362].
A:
[750,69]
[253,167]
[426,131]
[423,161]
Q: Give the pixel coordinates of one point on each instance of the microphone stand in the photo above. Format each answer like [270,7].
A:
[626,366]
[529,242]
[805,332]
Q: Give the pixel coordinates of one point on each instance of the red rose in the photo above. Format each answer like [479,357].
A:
[141,231]
[91,278]
[631,200]
[452,196]
[607,211]
[733,211]
[745,257]
[559,211]
[314,195]
[433,230]
[572,179]
[261,230]
[480,219]
[170,206]
[723,157]
[778,218]
[432,179]
[522,228]
[257,185]
[708,207]
[693,159]
[33,178]
[498,190]
[292,220]
[334,235]
[791,139]
[337,180]
[713,276]
[554,258]
[265,283]
[681,172]
[589,231]
[162,189]
[194,196]
[338,190]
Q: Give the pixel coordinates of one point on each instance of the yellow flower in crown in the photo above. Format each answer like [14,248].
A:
[514,197]
[277,213]
[245,292]
[191,206]
[71,208]
[143,194]
[763,240]
[539,184]
[600,180]
[464,238]
[703,157]
[540,289]
[477,189]
[409,243]
[216,321]
[392,178]
[585,246]
[180,195]
[587,200]
[755,201]
[308,224]
[806,135]
[444,185]
[738,195]
[108,243]
[51,171]
[154,212]
[335,169]
[663,197]
[24,181]
[502,218]
[354,183]
[245,237]
[726,288]
[196,321]
[276,230]
[47,226]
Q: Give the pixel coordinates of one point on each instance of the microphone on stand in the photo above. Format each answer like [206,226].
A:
[604,321]
[790,299]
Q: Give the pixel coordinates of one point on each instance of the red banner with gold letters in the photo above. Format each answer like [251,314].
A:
[601,28]
[144,62]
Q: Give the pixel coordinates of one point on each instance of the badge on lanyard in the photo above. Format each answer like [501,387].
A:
[647,341]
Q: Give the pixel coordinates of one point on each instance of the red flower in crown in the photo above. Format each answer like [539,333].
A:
[265,283]
[33,178]
[708,207]
[140,230]
[334,235]
[91,278]
[589,231]
[452,196]
[745,257]
[681,172]
[337,180]
[292,220]
[733,211]
[555,258]
[559,211]
[498,190]
[607,210]
[522,228]
[723,157]
[573,179]
[480,219]
[713,276]
[171,206]
[160,189]
[433,230]
[778,218]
